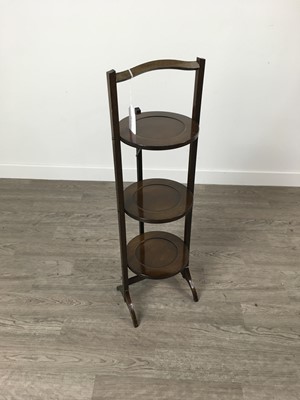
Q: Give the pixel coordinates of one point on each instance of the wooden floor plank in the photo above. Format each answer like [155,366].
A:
[128,388]
[18,385]
[275,392]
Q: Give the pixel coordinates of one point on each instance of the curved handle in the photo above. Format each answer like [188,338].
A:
[157,64]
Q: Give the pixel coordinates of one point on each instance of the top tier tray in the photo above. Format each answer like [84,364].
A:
[159,131]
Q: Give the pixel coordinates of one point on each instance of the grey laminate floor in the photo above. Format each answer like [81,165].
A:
[65,332]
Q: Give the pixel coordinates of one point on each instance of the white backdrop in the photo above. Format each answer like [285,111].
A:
[54,120]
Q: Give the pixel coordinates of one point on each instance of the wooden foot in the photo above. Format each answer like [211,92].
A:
[127,299]
[187,276]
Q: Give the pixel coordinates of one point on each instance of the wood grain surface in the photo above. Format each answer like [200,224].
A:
[65,332]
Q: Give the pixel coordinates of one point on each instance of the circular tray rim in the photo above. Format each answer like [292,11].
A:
[132,209]
[134,140]
[176,266]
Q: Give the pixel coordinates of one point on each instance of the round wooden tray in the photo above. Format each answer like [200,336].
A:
[157,200]
[159,131]
[157,255]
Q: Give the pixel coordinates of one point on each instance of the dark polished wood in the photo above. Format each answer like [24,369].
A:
[159,131]
[132,280]
[139,169]
[197,101]
[114,115]
[187,276]
[127,299]
[157,255]
[154,65]
[157,200]
[116,144]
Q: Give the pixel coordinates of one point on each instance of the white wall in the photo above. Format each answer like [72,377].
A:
[54,120]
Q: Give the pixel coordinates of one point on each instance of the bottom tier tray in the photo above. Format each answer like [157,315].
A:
[157,255]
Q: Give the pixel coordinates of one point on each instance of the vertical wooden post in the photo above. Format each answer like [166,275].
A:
[198,88]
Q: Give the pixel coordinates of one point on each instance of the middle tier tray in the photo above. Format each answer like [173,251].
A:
[157,200]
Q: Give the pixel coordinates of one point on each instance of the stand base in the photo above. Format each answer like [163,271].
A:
[137,278]
[127,299]
[187,276]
